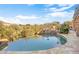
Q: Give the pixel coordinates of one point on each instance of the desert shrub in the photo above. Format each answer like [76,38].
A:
[64,28]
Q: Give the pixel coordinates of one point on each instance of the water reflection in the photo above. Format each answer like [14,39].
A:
[41,43]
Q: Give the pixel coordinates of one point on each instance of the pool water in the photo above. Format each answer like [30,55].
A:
[41,43]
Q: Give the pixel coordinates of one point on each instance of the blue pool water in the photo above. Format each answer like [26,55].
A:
[42,43]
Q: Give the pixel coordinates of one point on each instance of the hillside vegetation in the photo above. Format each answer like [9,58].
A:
[14,31]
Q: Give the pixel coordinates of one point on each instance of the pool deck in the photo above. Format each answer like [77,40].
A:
[71,47]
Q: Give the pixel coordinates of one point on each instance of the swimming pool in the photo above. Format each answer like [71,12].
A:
[41,43]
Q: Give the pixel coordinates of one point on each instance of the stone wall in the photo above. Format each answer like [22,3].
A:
[76,21]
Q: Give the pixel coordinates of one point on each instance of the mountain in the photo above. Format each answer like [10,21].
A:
[5,23]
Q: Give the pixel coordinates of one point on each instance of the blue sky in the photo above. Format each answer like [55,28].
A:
[36,13]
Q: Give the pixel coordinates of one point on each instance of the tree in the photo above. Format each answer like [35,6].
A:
[64,28]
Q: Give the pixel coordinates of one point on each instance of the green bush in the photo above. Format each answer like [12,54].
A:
[64,29]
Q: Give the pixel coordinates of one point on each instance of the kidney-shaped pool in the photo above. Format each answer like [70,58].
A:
[41,43]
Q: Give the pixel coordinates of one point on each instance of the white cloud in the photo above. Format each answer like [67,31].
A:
[26,17]
[7,20]
[20,19]
[61,14]
[63,7]
[48,5]
[53,16]
[2,18]
[30,4]
[10,20]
